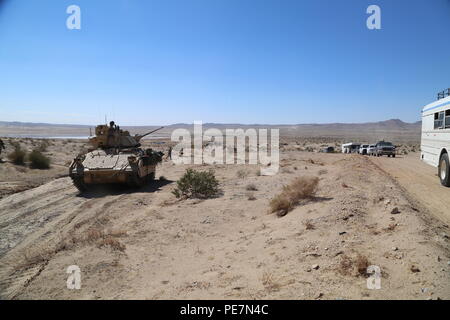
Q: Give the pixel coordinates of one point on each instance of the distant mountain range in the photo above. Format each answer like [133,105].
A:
[393,129]
[392,123]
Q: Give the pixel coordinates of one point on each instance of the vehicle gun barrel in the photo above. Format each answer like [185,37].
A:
[139,137]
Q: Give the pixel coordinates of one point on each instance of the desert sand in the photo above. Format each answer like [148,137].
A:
[147,244]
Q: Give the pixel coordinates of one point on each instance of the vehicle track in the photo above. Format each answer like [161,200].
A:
[45,213]
[420,181]
[32,212]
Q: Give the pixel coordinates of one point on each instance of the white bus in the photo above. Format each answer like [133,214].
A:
[435,145]
[350,147]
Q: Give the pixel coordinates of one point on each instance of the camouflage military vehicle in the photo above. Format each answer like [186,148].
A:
[115,157]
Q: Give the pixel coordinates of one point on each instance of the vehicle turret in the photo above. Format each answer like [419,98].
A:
[113,137]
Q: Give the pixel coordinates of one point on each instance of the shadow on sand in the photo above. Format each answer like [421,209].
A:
[103,190]
[320,199]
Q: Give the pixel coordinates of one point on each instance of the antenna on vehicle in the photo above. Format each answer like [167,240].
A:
[443,94]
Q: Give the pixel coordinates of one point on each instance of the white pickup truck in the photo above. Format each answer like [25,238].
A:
[364,149]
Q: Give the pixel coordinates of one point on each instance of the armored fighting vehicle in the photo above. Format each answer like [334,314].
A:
[115,157]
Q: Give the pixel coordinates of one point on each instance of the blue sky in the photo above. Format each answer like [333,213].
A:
[228,61]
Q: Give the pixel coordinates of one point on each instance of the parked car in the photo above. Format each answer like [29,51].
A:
[371,150]
[384,148]
[363,149]
[327,150]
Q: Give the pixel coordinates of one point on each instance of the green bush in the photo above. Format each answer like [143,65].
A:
[18,155]
[197,184]
[38,160]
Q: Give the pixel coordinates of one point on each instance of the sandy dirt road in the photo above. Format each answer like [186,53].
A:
[145,244]
[420,181]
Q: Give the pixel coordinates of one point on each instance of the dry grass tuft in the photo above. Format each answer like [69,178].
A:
[112,243]
[391,227]
[168,202]
[269,282]
[354,266]
[27,259]
[103,239]
[301,188]
[362,263]
[94,234]
[309,225]
[346,265]
[281,205]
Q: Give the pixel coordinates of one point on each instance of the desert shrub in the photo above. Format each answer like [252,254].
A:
[251,187]
[38,160]
[43,146]
[18,155]
[197,184]
[356,266]
[301,188]
[362,263]
[281,204]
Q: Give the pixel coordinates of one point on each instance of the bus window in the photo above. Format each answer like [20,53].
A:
[447,119]
[439,120]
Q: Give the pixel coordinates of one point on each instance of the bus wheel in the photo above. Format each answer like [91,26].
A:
[444,170]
